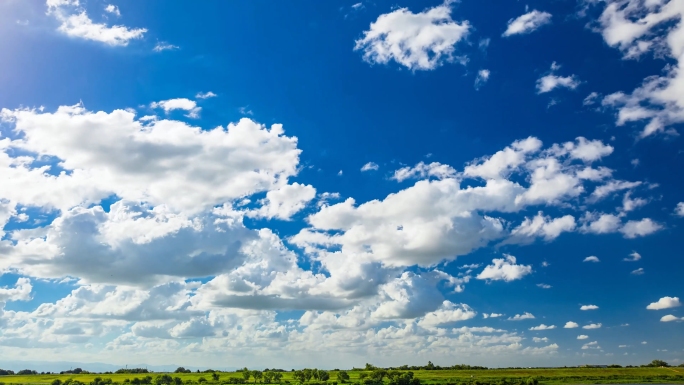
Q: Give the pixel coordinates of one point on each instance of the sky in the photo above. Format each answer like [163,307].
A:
[327,183]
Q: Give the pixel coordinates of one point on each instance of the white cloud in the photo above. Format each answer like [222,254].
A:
[629,204]
[549,82]
[113,9]
[670,318]
[417,41]
[164,46]
[633,257]
[541,226]
[482,78]
[644,342]
[520,317]
[604,224]
[591,345]
[664,303]
[370,166]
[592,326]
[640,228]
[636,27]
[75,22]
[504,270]
[591,99]
[205,95]
[639,271]
[284,202]
[543,327]
[491,315]
[419,171]
[589,307]
[537,339]
[591,259]
[544,285]
[571,325]
[20,292]
[179,104]
[679,210]
[447,314]
[527,23]
[582,337]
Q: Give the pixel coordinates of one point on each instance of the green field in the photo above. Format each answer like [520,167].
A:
[492,376]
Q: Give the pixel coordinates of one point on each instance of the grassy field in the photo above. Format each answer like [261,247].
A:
[545,376]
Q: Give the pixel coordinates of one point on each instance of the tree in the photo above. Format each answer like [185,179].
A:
[182,370]
[215,376]
[323,375]
[177,381]
[56,382]
[299,376]
[246,374]
[201,380]
[258,375]
[163,379]
[277,377]
[658,363]
[342,376]
[308,373]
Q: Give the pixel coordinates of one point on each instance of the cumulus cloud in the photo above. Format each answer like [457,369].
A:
[491,315]
[520,317]
[178,104]
[679,210]
[20,292]
[633,257]
[417,41]
[370,166]
[75,22]
[543,327]
[635,28]
[589,307]
[284,202]
[527,23]
[640,228]
[541,226]
[421,171]
[592,326]
[591,345]
[670,318]
[591,259]
[549,82]
[664,303]
[571,325]
[582,337]
[504,270]
[537,339]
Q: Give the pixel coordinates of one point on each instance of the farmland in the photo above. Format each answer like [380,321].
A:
[490,376]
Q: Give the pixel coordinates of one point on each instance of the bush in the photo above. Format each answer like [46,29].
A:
[56,382]
[201,380]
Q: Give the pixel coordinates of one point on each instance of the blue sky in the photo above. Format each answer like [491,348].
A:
[327,184]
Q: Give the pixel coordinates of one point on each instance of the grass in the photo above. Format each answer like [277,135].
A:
[545,376]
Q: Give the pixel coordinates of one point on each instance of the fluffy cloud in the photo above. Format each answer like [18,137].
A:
[537,339]
[582,337]
[205,95]
[640,228]
[633,257]
[284,202]
[571,325]
[424,171]
[543,327]
[491,315]
[179,104]
[591,259]
[504,270]
[20,292]
[520,317]
[75,22]
[549,82]
[591,345]
[541,226]
[527,23]
[630,26]
[592,326]
[589,307]
[417,41]
[664,303]
[679,210]
[670,318]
